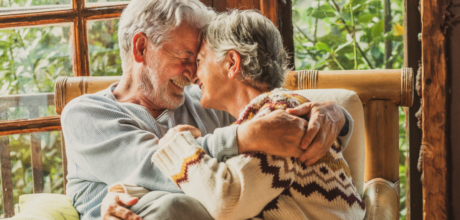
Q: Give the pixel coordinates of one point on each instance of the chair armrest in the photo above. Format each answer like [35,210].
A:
[382,199]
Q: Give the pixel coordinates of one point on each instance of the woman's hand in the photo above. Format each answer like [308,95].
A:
[179,128]
[277,133]
[325,121]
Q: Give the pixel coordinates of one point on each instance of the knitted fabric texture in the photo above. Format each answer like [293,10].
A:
[260,186]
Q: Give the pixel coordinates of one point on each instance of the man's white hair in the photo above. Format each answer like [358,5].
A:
[156,18]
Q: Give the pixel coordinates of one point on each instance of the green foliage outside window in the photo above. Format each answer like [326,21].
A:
[352,34]
[31,59]
[104,51]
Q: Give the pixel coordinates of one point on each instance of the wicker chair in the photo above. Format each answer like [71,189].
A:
[372,98]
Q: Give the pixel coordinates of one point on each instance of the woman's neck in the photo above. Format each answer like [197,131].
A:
[240,99]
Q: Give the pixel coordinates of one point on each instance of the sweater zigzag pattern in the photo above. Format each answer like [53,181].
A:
[260,186]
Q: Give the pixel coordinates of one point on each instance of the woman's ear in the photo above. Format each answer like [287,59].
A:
[140,44]
[234,60]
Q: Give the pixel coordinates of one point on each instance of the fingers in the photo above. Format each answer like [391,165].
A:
[127,200]
[120,212]
[110,218]
[315,149]
[112,207]
[301,110]
[313,128]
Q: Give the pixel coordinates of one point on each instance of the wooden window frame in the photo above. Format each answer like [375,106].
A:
[78,15]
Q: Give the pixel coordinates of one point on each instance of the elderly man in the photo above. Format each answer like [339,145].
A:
[112,135]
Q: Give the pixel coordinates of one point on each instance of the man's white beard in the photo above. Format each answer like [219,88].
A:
[157,92]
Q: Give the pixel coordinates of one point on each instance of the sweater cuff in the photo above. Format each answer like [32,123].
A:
[131,189]
[345,136]
[222,144]
[176,155]
[345,127]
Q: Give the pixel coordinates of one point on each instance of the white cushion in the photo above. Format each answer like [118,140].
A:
[355,152]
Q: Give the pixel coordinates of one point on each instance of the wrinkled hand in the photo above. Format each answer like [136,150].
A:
[179,128]
[277,133]
[114,205]
[325,120]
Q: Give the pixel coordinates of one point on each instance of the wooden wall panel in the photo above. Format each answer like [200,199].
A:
[434,110]
[412,56]
[453,116]
[269,8]
[287,32]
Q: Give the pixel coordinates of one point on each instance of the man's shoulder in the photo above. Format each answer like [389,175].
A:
[90,102]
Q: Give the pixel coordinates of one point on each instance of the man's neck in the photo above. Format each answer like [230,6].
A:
[128,91]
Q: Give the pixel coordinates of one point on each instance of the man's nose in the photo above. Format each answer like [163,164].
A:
[194,79]
[190,72]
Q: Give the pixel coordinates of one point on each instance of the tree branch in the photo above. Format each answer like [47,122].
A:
[336,7]
[304,34]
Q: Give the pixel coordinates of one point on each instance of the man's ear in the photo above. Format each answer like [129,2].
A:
[234,61]
[140,44]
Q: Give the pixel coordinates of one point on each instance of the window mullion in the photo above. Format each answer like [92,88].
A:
[81,62]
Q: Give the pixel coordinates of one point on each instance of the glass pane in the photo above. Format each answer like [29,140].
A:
[104,52]
[325,40]
[345,35]
[24,6]
[21,167]
[99,3]
[31,60]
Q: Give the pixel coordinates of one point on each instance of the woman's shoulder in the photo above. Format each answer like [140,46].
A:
[285,95]
[278,99]
[269,102]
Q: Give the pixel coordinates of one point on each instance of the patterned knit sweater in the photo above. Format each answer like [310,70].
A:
[260,186]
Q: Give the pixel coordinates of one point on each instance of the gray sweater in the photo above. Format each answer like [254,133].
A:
[108,142]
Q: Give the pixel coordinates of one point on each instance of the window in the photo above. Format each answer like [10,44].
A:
[355,34]
[40,41]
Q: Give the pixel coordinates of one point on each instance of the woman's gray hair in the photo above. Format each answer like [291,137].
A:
[256,39]
[156,18]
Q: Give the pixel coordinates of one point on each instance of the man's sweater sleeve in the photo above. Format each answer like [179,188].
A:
[222,144]
[347,130]
[106,145]
[238,188]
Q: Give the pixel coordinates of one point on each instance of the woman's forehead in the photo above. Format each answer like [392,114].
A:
[204,50]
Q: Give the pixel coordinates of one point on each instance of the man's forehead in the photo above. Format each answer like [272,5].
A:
[179,49]
[187,52]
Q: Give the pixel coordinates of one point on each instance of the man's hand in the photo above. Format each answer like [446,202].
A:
[114,205]
[277,133]
[325,120]
[179,128]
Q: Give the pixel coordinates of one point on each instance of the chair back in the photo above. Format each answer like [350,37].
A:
[372,100]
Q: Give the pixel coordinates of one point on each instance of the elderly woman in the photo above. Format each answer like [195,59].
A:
[241,68]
